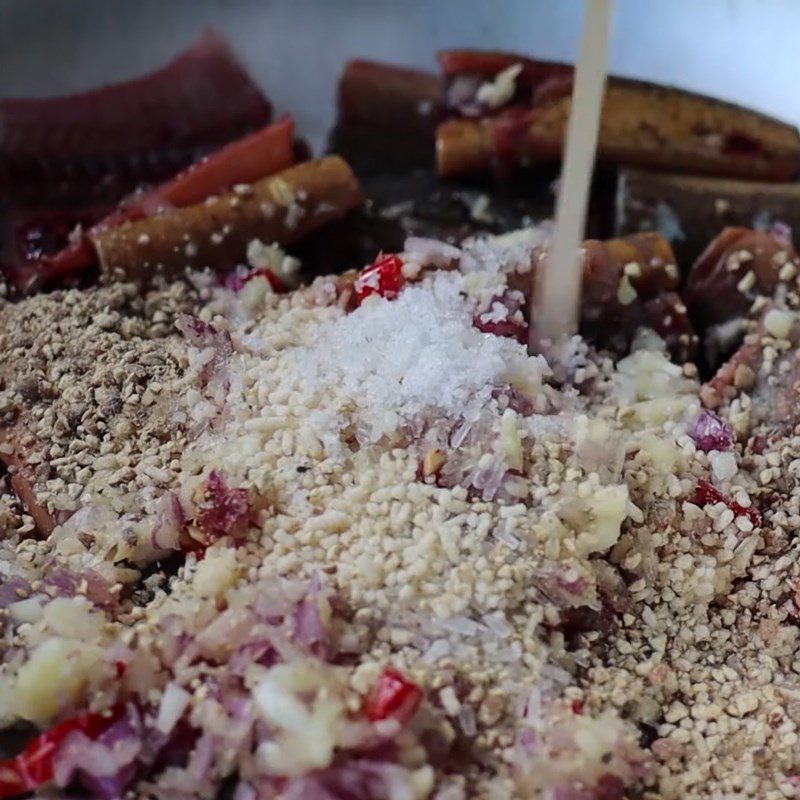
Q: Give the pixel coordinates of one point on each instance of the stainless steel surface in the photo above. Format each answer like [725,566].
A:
[742,50]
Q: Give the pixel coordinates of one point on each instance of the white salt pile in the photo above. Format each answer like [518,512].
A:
[395,360]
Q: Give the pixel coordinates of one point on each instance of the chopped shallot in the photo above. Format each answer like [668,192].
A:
[206,337]
[710,432]
[223,510]
[781,233]
[174,701]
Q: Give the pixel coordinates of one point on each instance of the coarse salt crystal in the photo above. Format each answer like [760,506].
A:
[461,625]
[723,465]
[497,313]
[501,534]
[497,624]
[437,650]
[396,360]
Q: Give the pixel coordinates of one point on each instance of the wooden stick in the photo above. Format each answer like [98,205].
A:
[556,301]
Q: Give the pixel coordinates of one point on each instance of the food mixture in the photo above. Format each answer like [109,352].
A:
[380,551]
[351,541]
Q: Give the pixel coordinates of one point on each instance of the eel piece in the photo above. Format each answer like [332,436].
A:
[215,233]
[643,124]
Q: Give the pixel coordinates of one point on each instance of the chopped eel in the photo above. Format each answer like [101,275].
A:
[628,284]
[472,88]
[238,164]
[386,119]
[386,116]
[762,376]
[631,283]
[691,210]
[25,457]
[201,99]
[495,124]
[745,287]
[215,233]
[733,278]
[66,162]
[737,266]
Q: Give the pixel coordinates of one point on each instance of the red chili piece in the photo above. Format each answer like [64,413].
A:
[706,494]
[394,696]
[278,286]
[384,278]
[511,327]
[33,767]
[507,328]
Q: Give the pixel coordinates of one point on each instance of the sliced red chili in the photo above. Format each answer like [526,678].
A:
[191,545]
[12,781]
[706,495]
[236,282]
[278,286]
[507,328]
[34,766]
[384,278]
[512,326]
[394,696]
